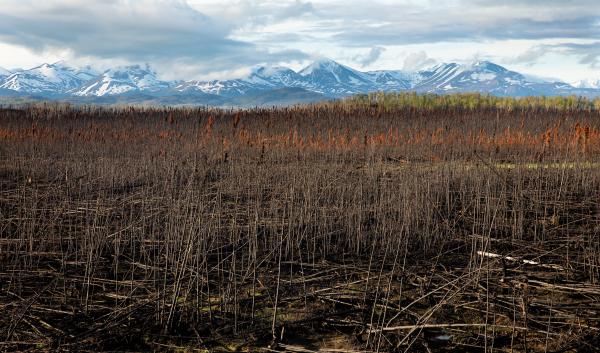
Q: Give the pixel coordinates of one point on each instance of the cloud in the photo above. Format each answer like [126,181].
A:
[136,31]
[528,57]
[206,36]
[456,29]
[296,9]
[416,22]
[535,3]
[417,61]
[369,58]
[587,53]
[253,14]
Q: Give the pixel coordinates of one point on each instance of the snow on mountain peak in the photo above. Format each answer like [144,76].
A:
[48,78]
[121,80]
[276,76]
[46,71]
[323,64]
[85,73]
[270,71]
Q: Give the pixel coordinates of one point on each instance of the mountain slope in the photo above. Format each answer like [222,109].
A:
[260,79]
[480,76]
[51,79]
[391,81]
[328,77]
[484,77]
[122,80]
[225,88]
[277,76]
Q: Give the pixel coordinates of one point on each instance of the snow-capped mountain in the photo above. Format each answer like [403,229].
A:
[260,79]
[322,79]
[85,73]
[332,79]
[276,76]
[324,76]
[481,76]
[122,80]
[225,88]
[489,78]
[328,77]
[51,79]
[392,81]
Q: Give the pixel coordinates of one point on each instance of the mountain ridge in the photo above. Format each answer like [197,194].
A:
[121,80]
[321,80]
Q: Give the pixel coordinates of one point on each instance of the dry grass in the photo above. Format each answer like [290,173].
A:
[382,227]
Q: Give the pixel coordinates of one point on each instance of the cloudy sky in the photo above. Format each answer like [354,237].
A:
[223,38]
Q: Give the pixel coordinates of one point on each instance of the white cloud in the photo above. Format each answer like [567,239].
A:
[157,31]
[417,61]
[369,58]
[201,37]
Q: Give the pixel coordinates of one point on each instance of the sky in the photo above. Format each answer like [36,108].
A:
[207,39]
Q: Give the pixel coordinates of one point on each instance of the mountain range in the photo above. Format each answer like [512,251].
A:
[321,80]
